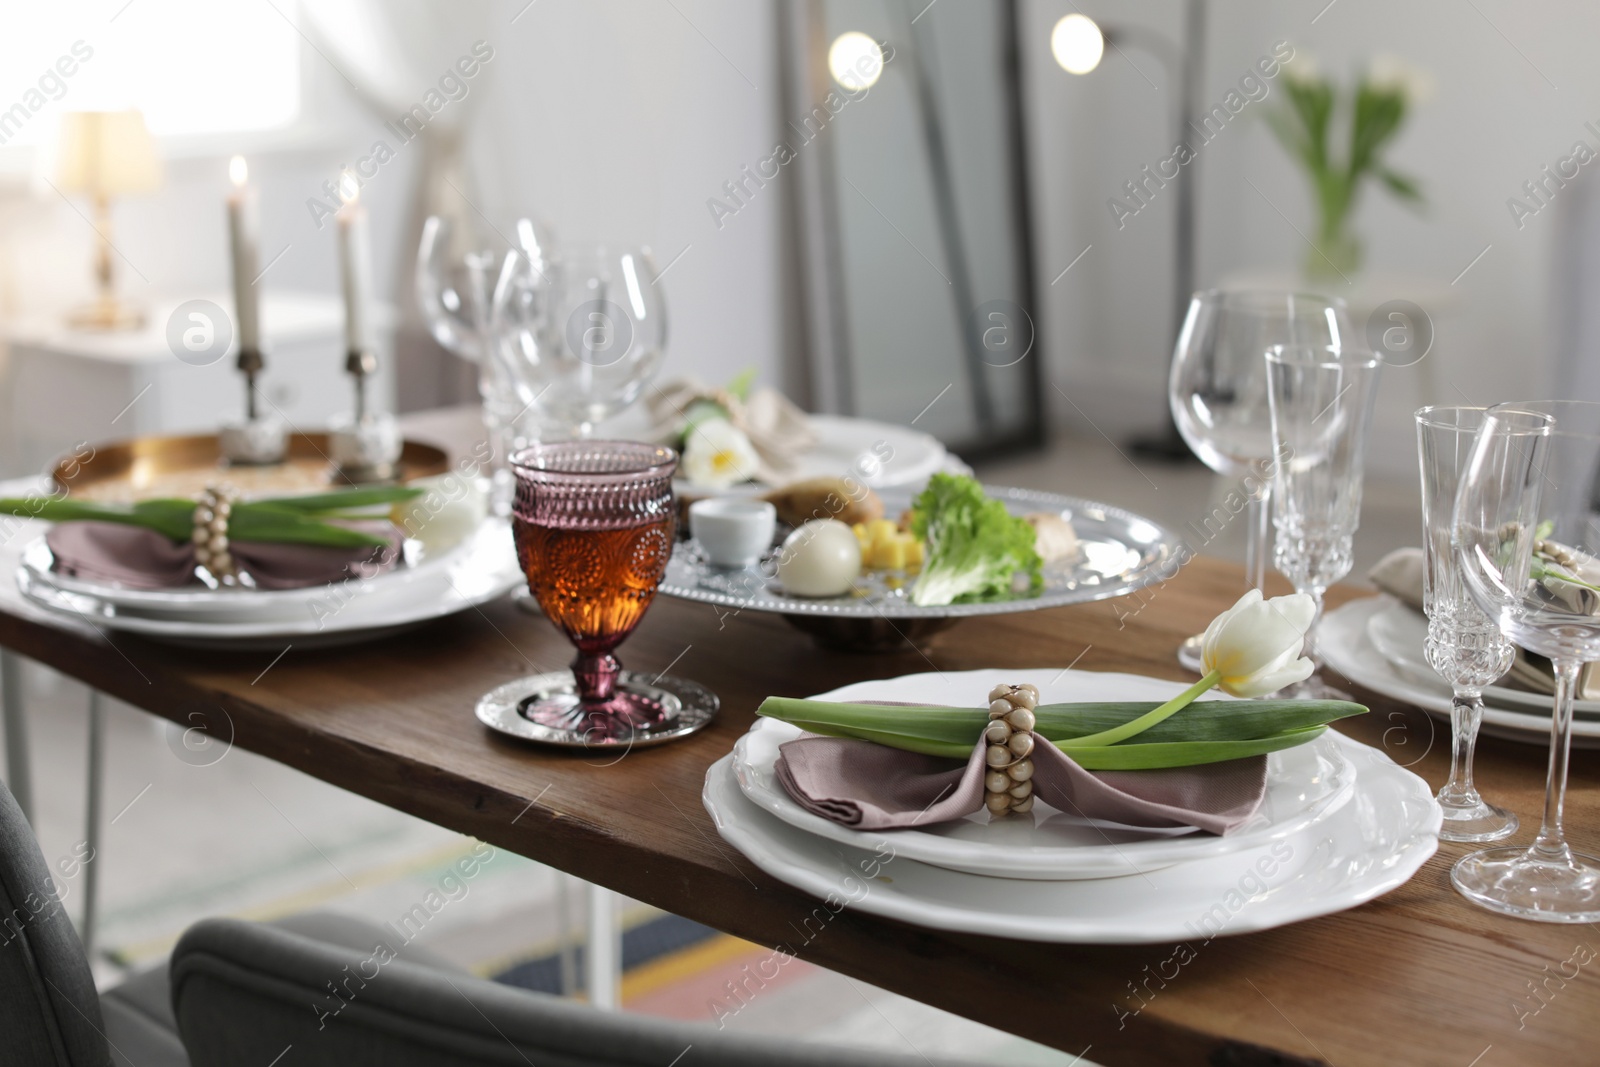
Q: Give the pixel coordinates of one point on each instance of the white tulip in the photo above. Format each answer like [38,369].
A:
[1254,647]
[449,510]
[717,455]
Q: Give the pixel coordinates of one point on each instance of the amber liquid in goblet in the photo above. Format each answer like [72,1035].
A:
[594,584]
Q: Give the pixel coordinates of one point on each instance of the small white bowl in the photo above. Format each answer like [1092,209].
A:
[733,531]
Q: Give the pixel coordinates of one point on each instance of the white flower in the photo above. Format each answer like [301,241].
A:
[1392,74]
[718,454]
[1303,68]
[450,508]
[1255,645]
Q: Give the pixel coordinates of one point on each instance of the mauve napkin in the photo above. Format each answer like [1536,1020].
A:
[874,787]
[137,558]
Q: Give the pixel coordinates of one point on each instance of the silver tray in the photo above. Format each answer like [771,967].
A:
[1119,553]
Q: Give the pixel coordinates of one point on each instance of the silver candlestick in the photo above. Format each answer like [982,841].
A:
[257,440]
[365,446]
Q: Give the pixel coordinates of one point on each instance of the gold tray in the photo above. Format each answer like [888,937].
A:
[125,472]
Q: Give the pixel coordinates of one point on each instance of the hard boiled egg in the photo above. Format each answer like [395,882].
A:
[820,558]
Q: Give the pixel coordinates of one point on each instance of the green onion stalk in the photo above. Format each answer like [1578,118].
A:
[300,520]
[1120,736]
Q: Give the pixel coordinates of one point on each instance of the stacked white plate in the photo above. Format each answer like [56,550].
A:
[1341,824]
[1377,642]
[481,568]
[880,454]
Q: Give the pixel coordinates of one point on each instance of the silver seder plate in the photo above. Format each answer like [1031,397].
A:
[1119,552]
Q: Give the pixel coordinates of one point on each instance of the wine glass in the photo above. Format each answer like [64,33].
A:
[1526,530]
[1218,394]
[455,284]
[1320,400]
[1464,646]
[592,345]
[594,524]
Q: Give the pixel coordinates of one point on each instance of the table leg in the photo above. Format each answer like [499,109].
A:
[19,778]
[604,972]
[567,952]
[91,820]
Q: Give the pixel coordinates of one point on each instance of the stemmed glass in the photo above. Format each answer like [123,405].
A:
[1218,394]
[1320,399]
[455,290]
[1525,533]
[594,524]
[588,349]
[1464,646]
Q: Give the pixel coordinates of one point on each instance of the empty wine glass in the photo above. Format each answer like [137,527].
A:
[594,524]
[590,345]
[1526,530]
[1320,399]
[455,280]
[1218,394]
[1464,646]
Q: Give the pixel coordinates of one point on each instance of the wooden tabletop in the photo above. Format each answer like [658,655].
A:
[1416,977]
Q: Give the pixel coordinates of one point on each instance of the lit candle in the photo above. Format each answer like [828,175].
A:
[355,268]
[244,239]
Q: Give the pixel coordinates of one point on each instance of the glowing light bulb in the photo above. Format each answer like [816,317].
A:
[238,171]
[855,60]
[1077,44]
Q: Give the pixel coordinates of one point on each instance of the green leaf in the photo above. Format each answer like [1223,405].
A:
[1157,755]
[740,386]
[174,518]
[1403,187]
[975,546]
[1204,732]
[341,499]
[277,527]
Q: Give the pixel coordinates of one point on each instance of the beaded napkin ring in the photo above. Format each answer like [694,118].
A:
[211,514]
[1008,783]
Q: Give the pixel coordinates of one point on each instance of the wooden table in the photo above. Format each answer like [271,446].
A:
[1416,977]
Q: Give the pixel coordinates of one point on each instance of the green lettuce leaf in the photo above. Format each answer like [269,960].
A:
[975,546]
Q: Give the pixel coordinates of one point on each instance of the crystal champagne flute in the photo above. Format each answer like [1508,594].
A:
[1464,646]
[1321,402]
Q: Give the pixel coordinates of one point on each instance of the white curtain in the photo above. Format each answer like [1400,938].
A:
[393,52]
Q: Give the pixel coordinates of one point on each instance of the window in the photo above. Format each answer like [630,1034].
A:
[192,66]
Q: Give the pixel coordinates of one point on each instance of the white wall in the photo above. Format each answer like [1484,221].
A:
[611,120]
[1494,120]
[616,121]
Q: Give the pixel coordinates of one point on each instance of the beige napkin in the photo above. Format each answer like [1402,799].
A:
[875,787]
[1400,575]
[779,431]
[137,558]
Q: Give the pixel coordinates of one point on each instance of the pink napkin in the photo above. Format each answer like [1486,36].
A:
[137,558]
[875,787]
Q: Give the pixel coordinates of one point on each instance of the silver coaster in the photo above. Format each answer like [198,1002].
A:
[685,707]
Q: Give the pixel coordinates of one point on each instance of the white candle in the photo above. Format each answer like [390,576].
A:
[244,240]
[355,267]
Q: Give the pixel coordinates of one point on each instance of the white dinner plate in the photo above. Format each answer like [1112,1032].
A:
[880,454]
[1304,784]
[1399,633]
[483,568]
[1346,647]
[1359,852]
[198,603]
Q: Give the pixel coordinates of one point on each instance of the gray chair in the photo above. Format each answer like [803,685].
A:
[246,991]
[317,990]
[50,1015]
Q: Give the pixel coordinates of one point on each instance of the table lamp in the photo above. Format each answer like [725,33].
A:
[105,154]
